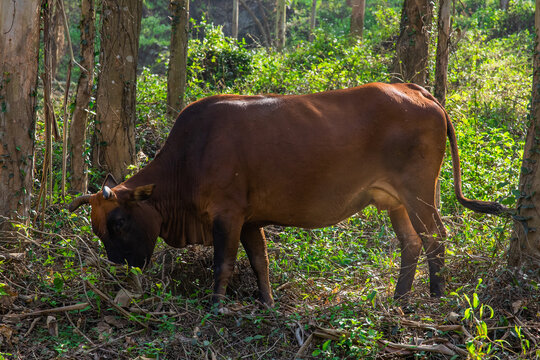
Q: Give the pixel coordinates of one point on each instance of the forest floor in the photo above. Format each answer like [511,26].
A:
[60,299]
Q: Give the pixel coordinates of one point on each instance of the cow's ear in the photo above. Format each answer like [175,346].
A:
[110,181]
[143,192]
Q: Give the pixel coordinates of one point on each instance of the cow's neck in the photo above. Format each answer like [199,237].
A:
[180,224]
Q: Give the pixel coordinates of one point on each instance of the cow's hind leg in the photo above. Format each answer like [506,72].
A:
[226,235]
[411,246]
[254,243]
[427,223]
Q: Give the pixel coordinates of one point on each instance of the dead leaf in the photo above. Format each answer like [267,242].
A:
[104,330]
[123,298]
[16,256]
[183,339]
[52,325]
[196,332]
[516,305]
[130,342]
[453,317]
[5,334]
[8,296]
[115,321]
[103,327]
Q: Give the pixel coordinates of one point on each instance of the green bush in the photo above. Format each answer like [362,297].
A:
[217,62]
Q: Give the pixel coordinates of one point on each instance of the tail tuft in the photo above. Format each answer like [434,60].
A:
[485,207]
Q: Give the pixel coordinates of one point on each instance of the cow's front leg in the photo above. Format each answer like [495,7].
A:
[226,235]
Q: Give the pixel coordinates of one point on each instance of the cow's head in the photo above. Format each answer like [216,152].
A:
[124,221]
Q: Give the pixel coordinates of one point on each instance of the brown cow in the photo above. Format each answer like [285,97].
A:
[234,164]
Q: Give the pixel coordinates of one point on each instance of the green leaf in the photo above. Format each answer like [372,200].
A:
[475,300]
[326,345]
[467,313]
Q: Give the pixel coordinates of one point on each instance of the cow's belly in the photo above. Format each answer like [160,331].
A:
[326,209]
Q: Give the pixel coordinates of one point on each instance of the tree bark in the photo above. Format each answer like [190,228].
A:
[412,47]
[357,18]
[266,38]
[176,78]
[234,25]
[441,59]
[59,40]
[19,45]
[503,4]
[524,250]
[79,176]
[281,15]
[264,16]
[114,146]
[313,20]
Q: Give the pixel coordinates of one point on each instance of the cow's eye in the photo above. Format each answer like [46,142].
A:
[119,225]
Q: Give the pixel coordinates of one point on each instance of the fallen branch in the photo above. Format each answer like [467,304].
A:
[439,348]
[32,326]
[331,334]
[47,311]
[304,347]
[416,324]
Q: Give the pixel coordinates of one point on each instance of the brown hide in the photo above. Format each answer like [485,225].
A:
[233,164]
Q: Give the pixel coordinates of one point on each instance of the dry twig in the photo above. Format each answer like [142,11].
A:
[47,311]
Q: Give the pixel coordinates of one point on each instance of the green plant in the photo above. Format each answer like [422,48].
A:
[480,346]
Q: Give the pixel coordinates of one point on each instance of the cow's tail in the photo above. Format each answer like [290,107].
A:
[486,207]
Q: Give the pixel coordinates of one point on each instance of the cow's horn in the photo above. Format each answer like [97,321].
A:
[84,199]
[106,192]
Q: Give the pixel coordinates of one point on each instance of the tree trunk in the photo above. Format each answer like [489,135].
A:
[524,251]
[313,20]
[176,78]
[59,41]
[281,14]
[19,45]
[412,47]
[79,176]
[262,30]
[264,17]
[503,4]
[357,17]
[234,25]
[441,62]
[114,146]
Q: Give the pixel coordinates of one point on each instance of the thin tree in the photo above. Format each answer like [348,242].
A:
[265,36]
[524,251]
[264,16]
[441,58]
[114,143]
[176,78]
[412,47]
[357,17]
[58,44]
[441,63]
[312,20]
[234,31]
[19,48]
[79,176]
[281,17]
